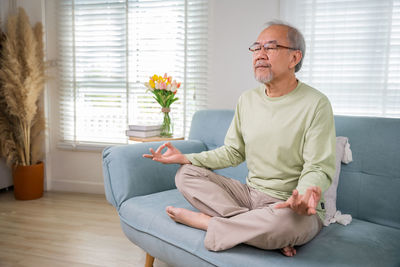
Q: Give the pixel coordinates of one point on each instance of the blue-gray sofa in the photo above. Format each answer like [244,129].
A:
[369,190]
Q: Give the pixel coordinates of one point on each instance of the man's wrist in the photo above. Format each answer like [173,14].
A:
[185,160]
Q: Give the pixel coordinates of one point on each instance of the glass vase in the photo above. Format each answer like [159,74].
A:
[166,127]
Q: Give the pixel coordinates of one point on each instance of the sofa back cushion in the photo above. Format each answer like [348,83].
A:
[369,186]
[210,127]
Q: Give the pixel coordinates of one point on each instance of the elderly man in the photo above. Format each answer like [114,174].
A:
[285,131]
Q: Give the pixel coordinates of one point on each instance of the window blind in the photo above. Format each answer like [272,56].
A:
[353,52]
[109,48]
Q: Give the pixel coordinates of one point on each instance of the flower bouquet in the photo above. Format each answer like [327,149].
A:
[164,90]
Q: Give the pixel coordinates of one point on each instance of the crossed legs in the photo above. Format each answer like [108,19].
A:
[233,213]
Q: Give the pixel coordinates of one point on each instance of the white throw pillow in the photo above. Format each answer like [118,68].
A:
[343,154]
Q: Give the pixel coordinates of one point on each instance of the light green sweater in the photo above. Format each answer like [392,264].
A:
[288,142]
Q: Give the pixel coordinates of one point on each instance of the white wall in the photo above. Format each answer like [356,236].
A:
[5,171]
[69,170]
[4,7]
[234,25]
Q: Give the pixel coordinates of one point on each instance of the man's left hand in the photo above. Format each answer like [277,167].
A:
[303,204]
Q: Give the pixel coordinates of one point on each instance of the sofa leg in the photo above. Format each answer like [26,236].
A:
[149,260]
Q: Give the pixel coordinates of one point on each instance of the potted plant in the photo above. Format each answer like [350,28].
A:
[22,122]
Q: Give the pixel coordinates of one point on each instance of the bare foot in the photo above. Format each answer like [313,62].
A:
[190,218]
[288,251]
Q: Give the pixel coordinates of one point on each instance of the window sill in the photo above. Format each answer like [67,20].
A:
[86,146]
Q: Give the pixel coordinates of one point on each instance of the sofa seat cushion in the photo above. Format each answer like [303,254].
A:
[360,243]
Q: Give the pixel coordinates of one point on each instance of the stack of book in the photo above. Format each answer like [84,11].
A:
[143,131]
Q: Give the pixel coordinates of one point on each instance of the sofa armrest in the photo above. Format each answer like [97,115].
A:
[127,174]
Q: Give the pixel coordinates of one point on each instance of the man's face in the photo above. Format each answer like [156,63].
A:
[274,63]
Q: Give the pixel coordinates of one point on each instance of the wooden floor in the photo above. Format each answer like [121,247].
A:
[64,229]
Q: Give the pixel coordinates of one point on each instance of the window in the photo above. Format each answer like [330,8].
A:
[109,48]
[353,52]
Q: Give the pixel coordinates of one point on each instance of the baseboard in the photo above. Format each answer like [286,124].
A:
[77,186]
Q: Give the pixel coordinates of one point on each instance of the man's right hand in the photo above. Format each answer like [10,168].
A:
[171,156]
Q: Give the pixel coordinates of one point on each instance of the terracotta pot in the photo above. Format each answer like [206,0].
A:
[28,181]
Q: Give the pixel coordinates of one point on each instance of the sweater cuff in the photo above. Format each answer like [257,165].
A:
[191,158]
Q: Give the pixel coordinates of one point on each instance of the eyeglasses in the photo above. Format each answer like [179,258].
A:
[270,47]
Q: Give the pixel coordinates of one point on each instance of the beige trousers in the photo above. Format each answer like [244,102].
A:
[241,214]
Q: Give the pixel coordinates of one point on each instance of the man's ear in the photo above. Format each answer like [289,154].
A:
[295,59]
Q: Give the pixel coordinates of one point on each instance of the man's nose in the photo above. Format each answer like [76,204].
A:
[261,57]
[262,54]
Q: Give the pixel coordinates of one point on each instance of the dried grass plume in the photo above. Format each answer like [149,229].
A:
[22,79]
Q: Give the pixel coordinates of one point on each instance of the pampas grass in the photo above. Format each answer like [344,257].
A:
[22,79]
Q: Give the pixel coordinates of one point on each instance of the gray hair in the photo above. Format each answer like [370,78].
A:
[295,38]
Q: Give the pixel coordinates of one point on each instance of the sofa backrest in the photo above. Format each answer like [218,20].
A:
[369,187]
[210,127]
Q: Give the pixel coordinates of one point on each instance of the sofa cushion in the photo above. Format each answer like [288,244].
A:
[358,244]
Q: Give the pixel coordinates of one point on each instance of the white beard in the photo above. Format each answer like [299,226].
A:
[263,78]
